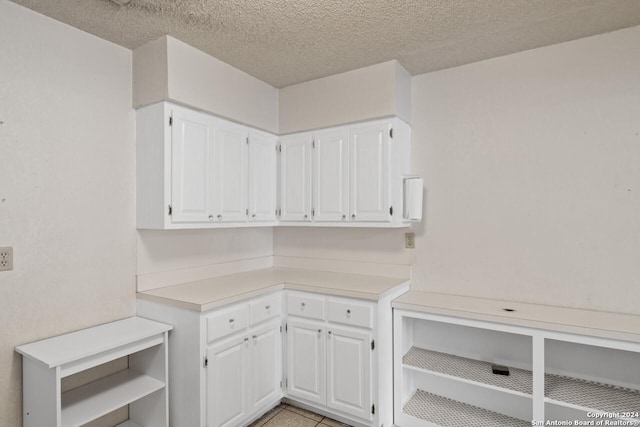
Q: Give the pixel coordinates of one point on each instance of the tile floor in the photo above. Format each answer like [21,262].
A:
[285,415]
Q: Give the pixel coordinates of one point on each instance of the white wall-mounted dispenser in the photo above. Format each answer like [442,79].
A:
[412,189]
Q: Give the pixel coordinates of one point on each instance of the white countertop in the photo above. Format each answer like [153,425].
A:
[561,319]
[203,295]
[62,349]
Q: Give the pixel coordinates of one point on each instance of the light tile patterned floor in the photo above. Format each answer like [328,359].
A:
[285,415]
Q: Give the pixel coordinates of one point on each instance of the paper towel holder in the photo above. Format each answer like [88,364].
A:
[412,189]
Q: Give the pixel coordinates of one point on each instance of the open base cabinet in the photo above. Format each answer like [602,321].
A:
[444,376]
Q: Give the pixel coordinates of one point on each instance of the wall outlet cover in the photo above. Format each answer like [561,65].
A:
[6,258]
[410,240]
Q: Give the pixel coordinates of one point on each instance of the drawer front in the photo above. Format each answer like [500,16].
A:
[350,313]
[305,306]
[265,308]
[227,322]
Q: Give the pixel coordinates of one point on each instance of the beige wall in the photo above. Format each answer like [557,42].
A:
[352,250]
[167,257]
[67,183]
[531,166]
[150,73]
[371,92]
[532,172]
[170,69]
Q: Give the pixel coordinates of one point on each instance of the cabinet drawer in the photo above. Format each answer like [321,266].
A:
[265,308]
[227,322]
[349,313]
[305,306]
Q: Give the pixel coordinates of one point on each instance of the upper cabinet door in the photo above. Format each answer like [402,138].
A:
[230,172]
[369,158]
[262,176]
[331,175]
[295,178]
[191,166]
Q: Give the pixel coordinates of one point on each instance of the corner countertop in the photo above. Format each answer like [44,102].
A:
[203,295]
[551,318]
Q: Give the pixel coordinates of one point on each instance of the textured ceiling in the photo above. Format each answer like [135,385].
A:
[289,41]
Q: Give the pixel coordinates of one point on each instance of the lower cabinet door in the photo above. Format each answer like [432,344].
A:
[266,366]
[306,360]
[226,382]
[349,371]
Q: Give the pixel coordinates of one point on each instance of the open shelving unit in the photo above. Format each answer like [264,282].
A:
[590,395]
[451,413]
[475,371]
[142,386]
[443,358]
[604,380]
[446,382]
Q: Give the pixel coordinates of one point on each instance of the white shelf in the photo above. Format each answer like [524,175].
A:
[451,413]
[549,352]
[589,395]
[86,403]
[85,343]
[518,382]
[46,362]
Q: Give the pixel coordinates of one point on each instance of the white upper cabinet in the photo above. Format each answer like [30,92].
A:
[369,155]
[262,176]
[193,171]
[230,171]
[198,171]
[357,173]
[191,166]
[295,177]
[331,175]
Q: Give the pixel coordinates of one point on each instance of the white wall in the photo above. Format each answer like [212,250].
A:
[350,250]
[379,90]
[532,163]
[532,168]
[168,69]
[150,73]
[167,257]
[67,183]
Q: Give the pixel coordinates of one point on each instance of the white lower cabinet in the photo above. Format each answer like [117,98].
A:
[227,385]
[243,375]
[349,371]
[306,357]
[226,363]
[265,373]
[331,355]
[444,376]
[230,365]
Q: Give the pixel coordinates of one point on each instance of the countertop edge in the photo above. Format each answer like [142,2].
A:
[507,320]
[284,285]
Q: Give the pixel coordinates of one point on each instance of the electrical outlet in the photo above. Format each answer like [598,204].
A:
[6,259]
[410,240]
